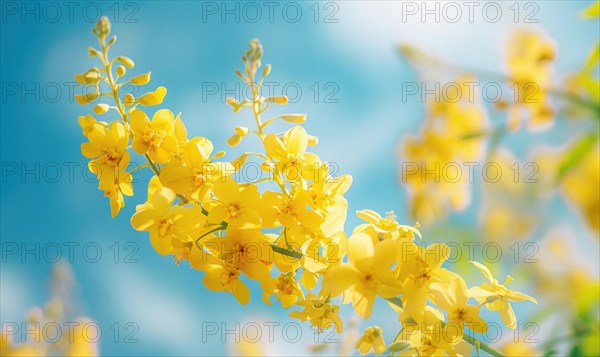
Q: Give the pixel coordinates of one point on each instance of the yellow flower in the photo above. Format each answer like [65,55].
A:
[166,222]
[454,299]
[529,55]
[384,228]
[115,183]
[372,339]
[290,153]
[326,193]
[496,296]
[430,338]
[80,344]
[520,349]
[220,275]
[181,133]
[367,273]
[156,137]
[21,350]
[287,289]
[320,312]
[237,206]
[580,186]
[248,250]
[433,161]
[196,174]
[418,269]
[106,146]
[88,123]
[279,209]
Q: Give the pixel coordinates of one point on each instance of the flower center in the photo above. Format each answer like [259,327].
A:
[112,155]
[165,227]
[233,210]
[152,137]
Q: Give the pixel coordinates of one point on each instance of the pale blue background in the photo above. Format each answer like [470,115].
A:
[360,133]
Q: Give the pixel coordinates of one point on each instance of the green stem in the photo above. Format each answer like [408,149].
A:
[152,165]
[219,228]
[483,346]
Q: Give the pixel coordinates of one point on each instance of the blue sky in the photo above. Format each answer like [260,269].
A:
[357,113]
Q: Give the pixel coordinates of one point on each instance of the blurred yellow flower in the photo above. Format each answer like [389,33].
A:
[372,339]
[529,57]
[496,296]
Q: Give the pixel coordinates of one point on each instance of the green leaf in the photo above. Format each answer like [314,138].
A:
[288,252]
[398,346]
[576,153]
[396,301]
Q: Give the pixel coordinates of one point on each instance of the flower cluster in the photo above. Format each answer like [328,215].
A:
[446,138]
[286,232]
[529,57]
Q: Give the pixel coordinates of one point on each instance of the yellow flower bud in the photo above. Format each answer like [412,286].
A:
[241,131]
[278,100]
[121,71]
[102,28]
[128,62]
[218,155]
[235,104]
[112,41]
[86,98]
[294,118]
[241,160]
[101,108]
[128,99]
[141,79]
[92,76]
[92,52]
[153,98]
[234,140]
[313,140]
[266,70]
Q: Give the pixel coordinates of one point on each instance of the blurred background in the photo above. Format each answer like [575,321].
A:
[339,62]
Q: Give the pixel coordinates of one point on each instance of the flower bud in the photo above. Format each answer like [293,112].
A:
[294,118]
[101,108]
[241,131]
[313,140]
[218,155]
[112,41]
[128,99]
[86,98]
[241,160]
[141,79]
[235,104]
[128,62]
[121,71]
[92,76]
[234,140]
[278,100]
[102,28]
[92,52]
[266,70]
[153,98]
